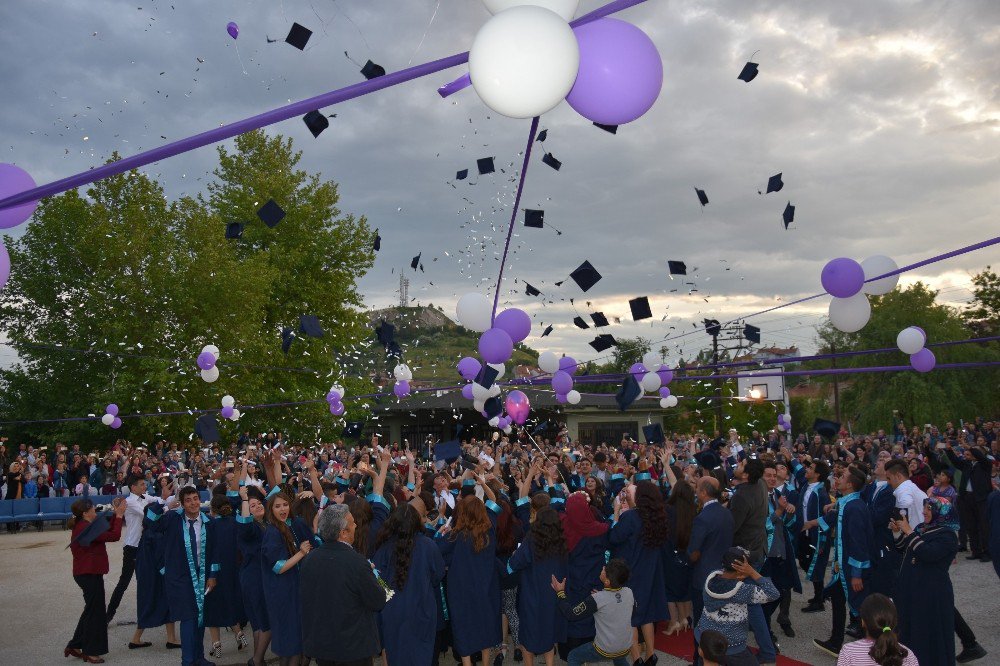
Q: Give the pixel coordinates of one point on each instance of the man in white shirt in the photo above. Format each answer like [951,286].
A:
[442,494]
[909,498]
[135,509]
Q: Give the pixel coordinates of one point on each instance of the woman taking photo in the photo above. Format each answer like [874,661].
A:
[251,533]
[90,563]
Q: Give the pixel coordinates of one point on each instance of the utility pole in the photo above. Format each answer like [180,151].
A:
[836,382]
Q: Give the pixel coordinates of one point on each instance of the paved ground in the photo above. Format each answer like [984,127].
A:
[41,605]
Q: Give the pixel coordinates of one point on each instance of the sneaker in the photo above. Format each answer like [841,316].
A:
[216,651]
[971,653]
[828,646]
[241,640]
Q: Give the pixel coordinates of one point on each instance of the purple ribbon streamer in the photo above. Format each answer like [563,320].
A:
[461,83]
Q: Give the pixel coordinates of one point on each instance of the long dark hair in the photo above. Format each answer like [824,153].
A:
[649,504]
[283,529]
[362,512]
[473,522]
[547,539]
[221,506]
[402,525]
[79,507]
[682,501]
[509,529]
[879,617]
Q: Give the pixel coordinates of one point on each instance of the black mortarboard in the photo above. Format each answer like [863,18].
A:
[415,262]
[316,122]
[385,333]
[287,337]
[548,329]
[586,276]
[447,451]
[530,291]
[547,158]
[539,427]
[352,430]
[677,267]
[487,376]
[299,36]
[826,428]
[653,433]
[95,529]
[534,218]
[485,165]
[613,129]
[207,428]
[493,407]
[603,342]
[774,183]
[234,230]
[789,215]
[377,243]
[640,308]
[462,175]
[309,325]
[543,135]
[751,333]
[702,197]
[271,213]
[599,319]
[708,459]
[580,323]
[628,393]
[712,326]
[372,71]
[748,73]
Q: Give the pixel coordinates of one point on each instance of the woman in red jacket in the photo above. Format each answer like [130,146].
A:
[90,563]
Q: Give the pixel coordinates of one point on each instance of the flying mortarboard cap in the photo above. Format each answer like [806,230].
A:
[298,36]
[628,393]
[749,72]
[309,325]
[585,276]
[539,427]
[372,71]
[599,319]
[493,407]
[712,326]
[612,129]
[751,333]
[548,329]
[789,215]
[580,323]
[653,433]
[462,175]
[316,122]
[530,290]
[271,213]
[287,337]
[377,243]
[234,230]
[640,308]
[677,267]
[543,135]
[826,428]
[93,530]
[352,430]
[415,262]
[385,333]
[207,428]
[708,459]
[447,451]
[774,183]
[534,218]
[485,165]
[702,197]
[603,342]
[487,376]
[547,158]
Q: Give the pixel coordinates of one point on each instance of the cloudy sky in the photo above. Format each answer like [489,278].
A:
[884,118]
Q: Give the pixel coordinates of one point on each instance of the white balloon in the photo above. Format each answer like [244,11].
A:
[573,397]
[565,8]
[524,61]
[652,362]
[499,367]
[494,390]
[494,422]
[479,405]
[338,389]
[850,315]
[211,374]
[475,312]
[664,403]
[788,418]
[228,401]
[781,428]
[507,430]
[874,266]
[402,372]
[910,340]
[108,419]
[650,382]
[212,349]
[548,362]
[671,400]
[480,393]
[236,415]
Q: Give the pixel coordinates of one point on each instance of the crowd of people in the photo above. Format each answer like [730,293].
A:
[522,548]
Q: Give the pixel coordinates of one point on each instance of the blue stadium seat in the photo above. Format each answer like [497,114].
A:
[6,511]
[67,506]
[52,508]
[25,509]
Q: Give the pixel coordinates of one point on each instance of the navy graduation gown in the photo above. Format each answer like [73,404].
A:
[782,571]
[152,609]
[184,595]
[542,624]
[224,606]
[884,558]
[646,565]
[852,546]
[380,513]
[584,576]
[814,544]
[281,591]
[250,536]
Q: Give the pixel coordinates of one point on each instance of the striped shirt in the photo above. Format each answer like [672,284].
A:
[856,654]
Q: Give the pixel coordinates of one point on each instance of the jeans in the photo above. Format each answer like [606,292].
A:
[588,654]
[762,633]
[192,642]
[128,568]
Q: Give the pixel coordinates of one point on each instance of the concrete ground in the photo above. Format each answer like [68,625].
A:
[41,605]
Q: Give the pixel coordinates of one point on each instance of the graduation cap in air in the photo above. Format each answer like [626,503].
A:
[287,337]
[352,430]
[611,129]
[653,433]
[485,165]
[385,333]
[316,122]
[530,290]
[677,267]
[548,329]
[377,243]
[826,428]
[789,215]
[599,319]
[628,393]
[580,323]
[539,427]
[207,428]
[462,175]
[708,459]
[447,451]
[774,183]
[271,213]
[95,529]
[585,276]
[487,376]
[534,218]
[751,333]
[543,135]
[712,326]
[547,158]
[309,325]
[493,407]
[702,197]
[372,71]
[749,72]
[603,342]
[640,308]
[415,262]
[234,230]
[299,36]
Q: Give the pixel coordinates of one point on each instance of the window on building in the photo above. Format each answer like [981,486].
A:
[610,432]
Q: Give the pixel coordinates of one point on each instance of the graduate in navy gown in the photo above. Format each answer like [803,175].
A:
[780,565]
[885,560]
[411,564]
[150,596]
[587,541]
[284,544]
[813,544]
[541,556]
[371,512]
[637,536]
[224,607]
[250,535]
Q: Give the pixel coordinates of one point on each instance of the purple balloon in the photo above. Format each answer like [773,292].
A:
[843,277]
[4,265]
[637,370]
[117,423]
[664,391]
[206,360]
[469,367]
[922,331]
[227,412]
[337,408]
[233,29]
[620,75]
[666,375]
[515,322]
[781,419]
[518,406]
[332,397]
[401,388]
[923,360]
[495,346]
[503,423]
[561,398]
[467,392]
[14,180]
[111,409]
[568,364]
[562,382]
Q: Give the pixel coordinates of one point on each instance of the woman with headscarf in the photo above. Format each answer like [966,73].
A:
[586,540]
[924,594]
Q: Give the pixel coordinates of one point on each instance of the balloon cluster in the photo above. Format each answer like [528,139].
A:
[911,341]
[110,417]
[207,360]
[562,370]
[784,422]
[229,410]
[653,376]
[334,397]
[845,280]
[13,180]
[403,376]
[527,58]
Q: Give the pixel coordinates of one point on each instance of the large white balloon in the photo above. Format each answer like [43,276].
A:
[671,400]
[480,393]
[874,266]
[108,419]
[499,367]
[479,405]
[475,312]
[228,401]
[650,382]
[910,340]
[850,315]
[494,390]
[524,61]
[236,415]
[573,397]
[652,361]
[402,372]
[211,349]
[565,8]
[548,362]
[211,374]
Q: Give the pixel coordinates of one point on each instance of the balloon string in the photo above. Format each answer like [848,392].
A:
[513,213]
[241,59]
[426,30]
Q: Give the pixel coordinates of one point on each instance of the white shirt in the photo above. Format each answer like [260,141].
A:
[447,497]
[197,531]
[135,509]
[810,489]
[910,498]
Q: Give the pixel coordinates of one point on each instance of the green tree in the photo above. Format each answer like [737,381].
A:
[983,313]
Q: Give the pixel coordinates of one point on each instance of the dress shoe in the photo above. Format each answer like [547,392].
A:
[971,653]
[173,646]
[854,631]
[787,630]
[828,646]
[92,660]
[651,661]
[72,652]
[136,646]
[814,608]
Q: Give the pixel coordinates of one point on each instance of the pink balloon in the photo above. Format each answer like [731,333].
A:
[518,406]
[14,180]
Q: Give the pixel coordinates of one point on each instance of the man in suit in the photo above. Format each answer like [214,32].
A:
[342,633]
[973,490]
[711,537]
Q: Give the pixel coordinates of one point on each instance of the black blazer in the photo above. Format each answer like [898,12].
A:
[340,598]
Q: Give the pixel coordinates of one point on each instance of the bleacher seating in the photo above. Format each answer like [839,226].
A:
[43,509]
